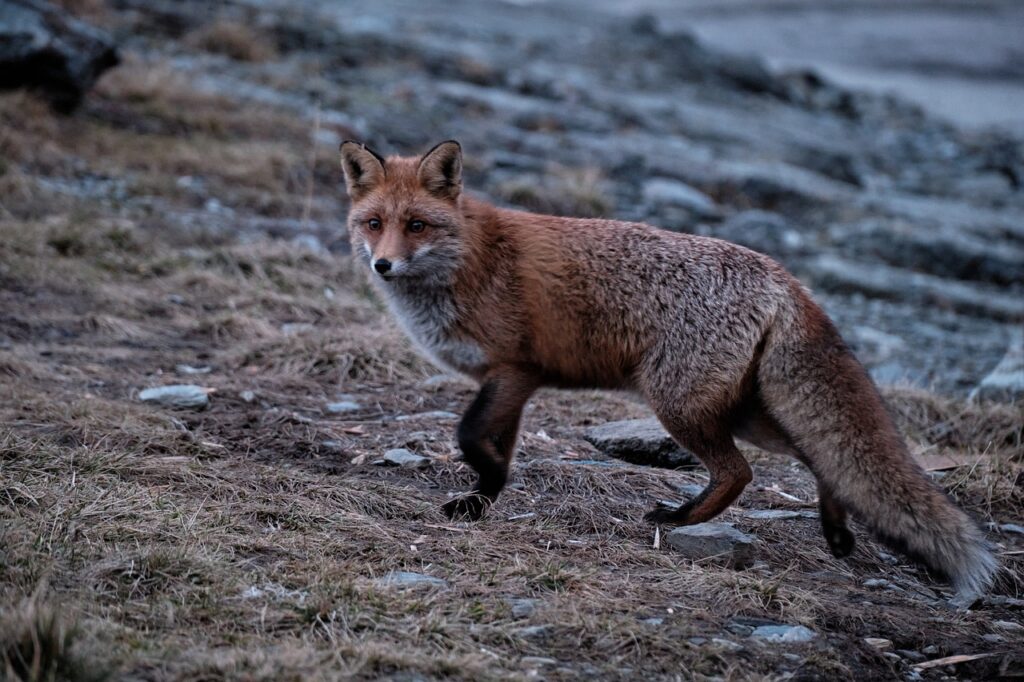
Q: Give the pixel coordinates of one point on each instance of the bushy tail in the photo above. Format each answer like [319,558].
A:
[821,395]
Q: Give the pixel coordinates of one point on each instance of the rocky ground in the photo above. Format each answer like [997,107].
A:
[185,226]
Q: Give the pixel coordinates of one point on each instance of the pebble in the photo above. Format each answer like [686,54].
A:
[178,395]
[783,633]
[400,457]
[1008,625]
[878,643]
[189,369]
[247,396]
[343,406]
[534,631]
[521,607]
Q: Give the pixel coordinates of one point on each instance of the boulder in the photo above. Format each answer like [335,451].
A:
[44,48]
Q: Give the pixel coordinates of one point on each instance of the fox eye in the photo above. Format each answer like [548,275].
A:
[373,224]
[416,225]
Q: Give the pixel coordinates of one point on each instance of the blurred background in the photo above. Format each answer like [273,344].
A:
[222,460]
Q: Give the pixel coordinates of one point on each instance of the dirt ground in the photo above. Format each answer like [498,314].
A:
[257,539]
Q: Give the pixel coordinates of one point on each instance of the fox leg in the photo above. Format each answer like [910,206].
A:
[487,437]
[729,472]
[756,427]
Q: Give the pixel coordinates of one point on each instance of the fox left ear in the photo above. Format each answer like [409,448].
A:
[440,170]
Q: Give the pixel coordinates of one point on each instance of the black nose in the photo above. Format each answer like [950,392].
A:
[381,265]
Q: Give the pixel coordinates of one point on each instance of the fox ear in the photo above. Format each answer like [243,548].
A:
[364,168]
[440,170]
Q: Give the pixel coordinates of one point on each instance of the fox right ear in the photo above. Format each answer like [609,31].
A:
[364,168]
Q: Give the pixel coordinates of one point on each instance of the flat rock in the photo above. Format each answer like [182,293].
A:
[706,540]
[639,441]
[177,395]
[44,48]
[400,457]
[668,192]
[783,633]
[410,579]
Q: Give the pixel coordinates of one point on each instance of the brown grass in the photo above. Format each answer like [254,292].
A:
[234,39]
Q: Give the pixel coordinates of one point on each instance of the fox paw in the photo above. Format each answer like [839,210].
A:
[668,513]
[466,508]
[840,540]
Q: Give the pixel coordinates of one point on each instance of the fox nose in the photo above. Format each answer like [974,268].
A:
[382,265]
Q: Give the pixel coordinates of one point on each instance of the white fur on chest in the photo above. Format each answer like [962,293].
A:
[428,316]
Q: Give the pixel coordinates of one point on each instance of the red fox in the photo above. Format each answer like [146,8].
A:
[720,341]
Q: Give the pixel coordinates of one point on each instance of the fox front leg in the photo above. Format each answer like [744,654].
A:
[487,437]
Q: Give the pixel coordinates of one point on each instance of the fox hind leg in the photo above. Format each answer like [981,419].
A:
[756,427]
[729,472]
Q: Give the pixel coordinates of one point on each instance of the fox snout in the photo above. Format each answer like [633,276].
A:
[388,268]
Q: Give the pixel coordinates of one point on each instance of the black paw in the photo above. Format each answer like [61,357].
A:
[467,508]
[668,513]
[840,540]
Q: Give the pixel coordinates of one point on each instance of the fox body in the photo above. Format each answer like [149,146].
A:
[721,342]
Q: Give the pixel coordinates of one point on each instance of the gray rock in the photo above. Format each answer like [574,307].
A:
[45,48]
[653,622]
[668,192]
[783,633]
[780,514]
[400,457]
[1008,626]
[247,396]
[706,540]
[640,441]
[1006,381]
[762,231]
[178,395]
[343,406]
[521,607]
[404,579]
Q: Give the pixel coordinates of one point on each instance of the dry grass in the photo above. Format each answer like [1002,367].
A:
[234,39]
[249,540]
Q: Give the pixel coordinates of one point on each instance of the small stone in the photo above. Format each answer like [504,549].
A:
[993,638]
[521,606]
[189,369]
[534,631]
[784,633]
[726,644]
[178,395]
[537,661]
[247,396]
[296,328]
[705,540]
[409,579]
[930,650]
[343,406]
[880,583]
[1008,625]
[780,514]
[400,457]
[914,656]
[176,299]
[653,622]
[878,643]
[433,414]
[639,441]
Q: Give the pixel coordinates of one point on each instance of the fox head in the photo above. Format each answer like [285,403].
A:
[405,219]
